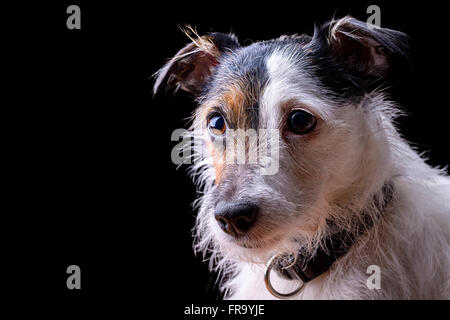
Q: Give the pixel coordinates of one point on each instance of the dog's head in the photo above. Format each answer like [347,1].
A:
[316,99]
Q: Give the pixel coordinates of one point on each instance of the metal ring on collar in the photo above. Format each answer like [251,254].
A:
[269,286]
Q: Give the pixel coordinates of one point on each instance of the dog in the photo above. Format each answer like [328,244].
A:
[351,211]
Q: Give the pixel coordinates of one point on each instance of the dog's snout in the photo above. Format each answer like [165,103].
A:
[236,218]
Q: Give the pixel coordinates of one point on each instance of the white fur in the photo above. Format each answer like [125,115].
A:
[357,151]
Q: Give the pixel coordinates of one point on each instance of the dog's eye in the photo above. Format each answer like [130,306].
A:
[216,124]
[301,121]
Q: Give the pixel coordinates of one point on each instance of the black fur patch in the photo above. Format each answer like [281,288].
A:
[352,62]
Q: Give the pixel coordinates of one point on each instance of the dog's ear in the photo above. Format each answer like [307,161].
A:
[193,65]
[363,48]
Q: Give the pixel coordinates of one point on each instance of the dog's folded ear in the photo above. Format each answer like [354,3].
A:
[193,65]
[363,48]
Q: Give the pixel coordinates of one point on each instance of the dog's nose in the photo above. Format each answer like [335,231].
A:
[235,218]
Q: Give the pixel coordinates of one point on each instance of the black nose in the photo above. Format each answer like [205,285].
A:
[235,218]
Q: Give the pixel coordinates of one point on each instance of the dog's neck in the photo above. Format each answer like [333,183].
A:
[307,266]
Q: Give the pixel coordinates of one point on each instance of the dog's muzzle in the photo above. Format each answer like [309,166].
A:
[236,218]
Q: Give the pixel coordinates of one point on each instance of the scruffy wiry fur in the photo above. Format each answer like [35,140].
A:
[334,174]
[410,244]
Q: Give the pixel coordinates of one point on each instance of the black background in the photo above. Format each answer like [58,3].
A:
[92,170]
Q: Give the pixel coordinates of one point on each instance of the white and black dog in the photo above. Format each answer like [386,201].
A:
[349,195]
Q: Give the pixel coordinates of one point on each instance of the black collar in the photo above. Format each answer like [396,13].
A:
[307,267]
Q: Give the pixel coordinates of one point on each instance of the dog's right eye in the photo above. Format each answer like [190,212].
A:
[216,124]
